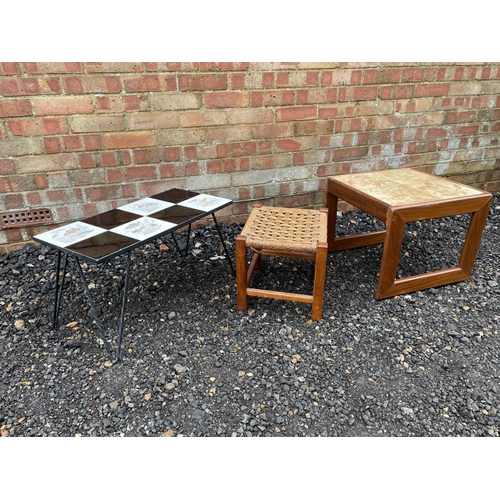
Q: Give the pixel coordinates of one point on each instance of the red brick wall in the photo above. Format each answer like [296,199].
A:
[85,137]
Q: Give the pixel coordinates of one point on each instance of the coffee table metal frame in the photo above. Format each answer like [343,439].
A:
[420,207]
[114,354]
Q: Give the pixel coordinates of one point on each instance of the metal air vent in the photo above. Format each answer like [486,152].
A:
[23,218]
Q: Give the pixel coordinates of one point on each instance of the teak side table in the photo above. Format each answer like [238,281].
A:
[405,195]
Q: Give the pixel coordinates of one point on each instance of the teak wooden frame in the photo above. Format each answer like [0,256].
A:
[244,275]
[395,218]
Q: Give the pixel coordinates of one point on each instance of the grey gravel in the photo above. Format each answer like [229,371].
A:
[421,364]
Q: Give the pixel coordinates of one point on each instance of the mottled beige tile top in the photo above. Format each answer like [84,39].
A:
[405,186]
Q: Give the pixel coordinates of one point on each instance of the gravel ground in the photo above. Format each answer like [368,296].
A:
[421,364]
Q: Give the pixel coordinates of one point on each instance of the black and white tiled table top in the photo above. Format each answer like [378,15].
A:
[103,236]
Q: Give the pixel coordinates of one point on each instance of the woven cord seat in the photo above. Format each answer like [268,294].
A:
[283,232]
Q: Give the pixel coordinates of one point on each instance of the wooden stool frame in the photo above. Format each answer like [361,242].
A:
[473,201]
[244,274]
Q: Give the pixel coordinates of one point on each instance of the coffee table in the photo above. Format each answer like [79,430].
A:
[105,236]
[397,197]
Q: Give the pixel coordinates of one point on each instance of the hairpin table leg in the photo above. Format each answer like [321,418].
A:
[224,245]
[113,358]
[59,288]
[124,302]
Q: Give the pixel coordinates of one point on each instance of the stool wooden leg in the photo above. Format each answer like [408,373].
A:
[319,281]
[241,273]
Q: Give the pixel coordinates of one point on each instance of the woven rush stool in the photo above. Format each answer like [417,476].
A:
[283,232]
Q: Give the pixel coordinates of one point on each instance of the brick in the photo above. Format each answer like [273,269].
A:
[38,126]
[62,105]
[7,167]
[108,123]
[143,83]
[316,96]
[72,143]
[202,119]
[176,101]
[436,132]
[221,166]
[15,107]
[228,134]
[296,144]
[92,84]
[375,108]
[46,163]
[207,182]
[253,178]
[282,79]
[336,77]
[296,113]
[272,130]
[226,99]
[277,98]
[202,152]
[339,110]
[312,128]
[237,81]
[270,161]
[179,137]
[9,68]
[224,66]
[364,93]
[138,173]
[19,86]
[148,156]
[20,147]
[52,144]
[384,122]
[128,140]
[53,67]
[113,67]
[252,115]
[469,130]
[466,88]
[426,119]
[87,160]
[102,193]
[203,82]
[460,116]
[350,153]
[138,121]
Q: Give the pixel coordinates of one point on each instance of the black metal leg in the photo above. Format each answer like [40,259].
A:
[58,299]
[58,267]
[94,311]
[59,288]
[187,241]
[224,245]
[124,302]
[176,244]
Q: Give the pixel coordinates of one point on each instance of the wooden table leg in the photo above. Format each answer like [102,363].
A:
[473,238]
[331,204]
[389,286]
[395,227]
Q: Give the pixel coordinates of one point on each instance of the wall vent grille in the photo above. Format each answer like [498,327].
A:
[26,218]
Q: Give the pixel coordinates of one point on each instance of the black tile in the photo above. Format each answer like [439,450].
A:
[177,214]
[111,219]
[103,245]
[175,195]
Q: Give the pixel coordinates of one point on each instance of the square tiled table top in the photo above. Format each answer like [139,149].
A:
[116,231]
[400,187]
